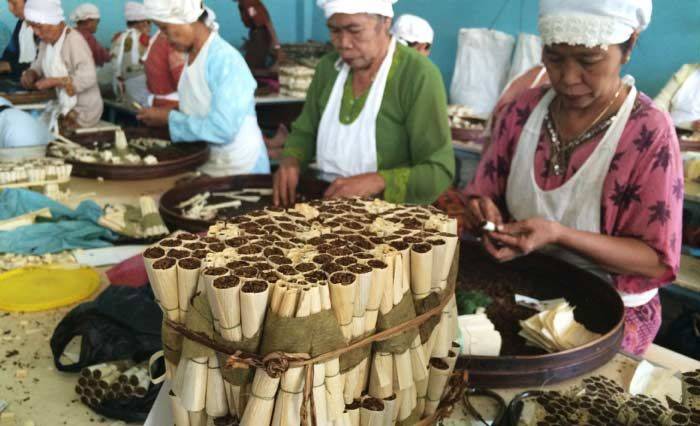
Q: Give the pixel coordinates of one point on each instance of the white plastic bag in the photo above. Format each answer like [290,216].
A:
[528,53]
[481,68]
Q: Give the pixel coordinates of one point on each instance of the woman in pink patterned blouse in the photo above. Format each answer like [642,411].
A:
[589,170]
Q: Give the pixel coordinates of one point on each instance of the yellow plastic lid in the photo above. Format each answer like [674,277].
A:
[42,288]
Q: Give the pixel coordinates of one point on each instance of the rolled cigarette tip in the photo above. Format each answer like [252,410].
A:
[488,226]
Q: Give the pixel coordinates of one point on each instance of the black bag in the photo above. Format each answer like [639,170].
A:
[683,335]
[123,323]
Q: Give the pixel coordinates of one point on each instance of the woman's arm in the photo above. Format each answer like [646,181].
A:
[618,255]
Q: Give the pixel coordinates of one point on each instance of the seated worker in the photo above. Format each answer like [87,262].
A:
[127,49]
[21,135]
[86,18]
[415,32]
[216,91]
[65,64]
[262,49]
[22,49]
[681,97]
[375,118]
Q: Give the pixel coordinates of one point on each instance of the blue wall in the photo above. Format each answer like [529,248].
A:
[672,40]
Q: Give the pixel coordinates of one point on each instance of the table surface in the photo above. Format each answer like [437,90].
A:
[47,397]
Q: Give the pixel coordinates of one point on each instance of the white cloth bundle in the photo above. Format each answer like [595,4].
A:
[27,44]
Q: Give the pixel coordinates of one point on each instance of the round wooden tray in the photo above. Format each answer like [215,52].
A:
[598,307]
[179,158]
[309,188]
[466,135]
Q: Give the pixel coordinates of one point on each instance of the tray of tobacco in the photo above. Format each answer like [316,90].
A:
[132,154]
[689,141]
[196,205]
[13,91]
[591,304]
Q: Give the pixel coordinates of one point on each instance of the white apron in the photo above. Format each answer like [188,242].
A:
[135,87]
[53,67]
[577,203]
[27,44]
[685,106]
[344,150]
[152,97]
[241,154]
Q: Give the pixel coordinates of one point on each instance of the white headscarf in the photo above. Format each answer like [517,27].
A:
[592,23]
[211,20]
[85,11]
[412,29]
[134,12]
[44,11]
[175,11]
[375,7]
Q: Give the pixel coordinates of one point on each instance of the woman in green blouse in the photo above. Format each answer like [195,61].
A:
[375,119]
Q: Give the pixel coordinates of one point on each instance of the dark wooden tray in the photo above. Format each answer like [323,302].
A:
[598,307]
[309,188]
[29,97]
[178,158]
[466,135]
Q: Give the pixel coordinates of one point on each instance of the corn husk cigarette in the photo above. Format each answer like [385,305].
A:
[451,358]
[446,330]
[260,406]
[439,375]
[198,418]
[335,403]
[288,404]
[353,411]
[107,379]
[372,412]
[407,403]
[225,305]
[129,375]
[343,287]
[391,410]
[448,257]
[403,370]
[78,389]
[187,279]
[380,278]
[88,392]
[207,278]
[439,253]
[194,389]
[253,300]
[319,385]
[216,403]
[421,270]
[422,394]
[278,292]
[165,279]
[96,371]
[381,383]
[419,362]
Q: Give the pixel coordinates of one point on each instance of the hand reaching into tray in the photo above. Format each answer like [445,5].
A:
[154,117]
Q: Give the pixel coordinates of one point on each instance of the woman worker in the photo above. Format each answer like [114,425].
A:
[681,97]
[216,93]
[21,135]
[414,31]
[163,65]
[64,63]
[22,49]
[375,117]
[588,170]
[127,49]
[86,18]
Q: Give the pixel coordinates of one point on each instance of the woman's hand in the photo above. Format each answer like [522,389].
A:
[49,83]
[521,238]
[154,117]
[479,210]
[364,185]
[285,181]
[29,78]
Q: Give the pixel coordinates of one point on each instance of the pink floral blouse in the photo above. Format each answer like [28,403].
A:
[642,193]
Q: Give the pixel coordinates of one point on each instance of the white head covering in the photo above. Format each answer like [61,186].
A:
[175,11]
[85,11]
[211,20]
[44,11]
[413,29]
[376,7]
[134,12]
[592,22]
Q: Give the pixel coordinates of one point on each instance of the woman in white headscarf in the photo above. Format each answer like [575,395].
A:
[22,49]
[415,32]
[64,63]
[375,117]
[588,171]
[216,92]
[127,50]
[86,18]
